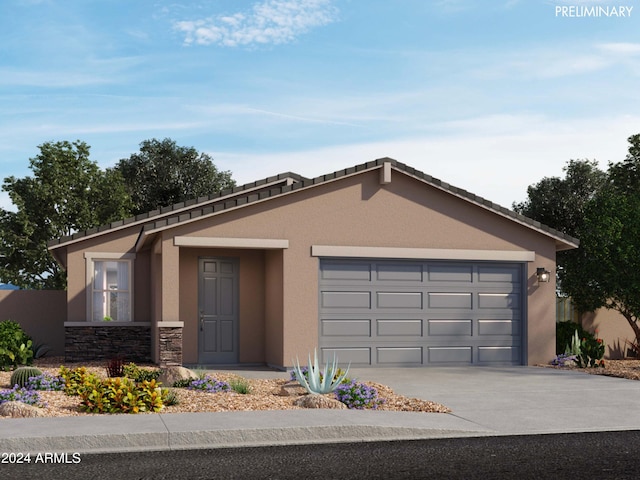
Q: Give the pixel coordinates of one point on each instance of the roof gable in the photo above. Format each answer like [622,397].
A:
[290,183]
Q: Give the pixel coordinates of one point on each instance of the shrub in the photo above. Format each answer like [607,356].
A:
[591,353]
[45,382]
[115,367]
[565,332]
[358,395]
[122,395]
[240,385]
[20,376]
[182,383]
[20,394]
[170,397]
[208,384]
[138,374]
[15,346]
[77,380]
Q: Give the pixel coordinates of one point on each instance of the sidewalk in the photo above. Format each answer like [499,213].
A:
[485,401]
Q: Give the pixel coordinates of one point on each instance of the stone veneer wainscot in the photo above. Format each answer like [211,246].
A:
[106,341]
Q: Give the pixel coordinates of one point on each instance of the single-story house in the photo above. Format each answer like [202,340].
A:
[378,263]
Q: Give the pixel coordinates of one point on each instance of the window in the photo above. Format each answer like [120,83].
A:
[110,297]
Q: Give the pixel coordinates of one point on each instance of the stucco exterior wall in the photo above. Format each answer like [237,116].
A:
[612,328]
[358,211]
[40,313]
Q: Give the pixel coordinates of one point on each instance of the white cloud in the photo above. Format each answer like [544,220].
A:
[268,22]
[485,155]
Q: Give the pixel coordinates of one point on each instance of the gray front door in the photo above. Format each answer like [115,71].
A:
[218,310]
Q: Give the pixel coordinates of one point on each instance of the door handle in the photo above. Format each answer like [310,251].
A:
[201,320]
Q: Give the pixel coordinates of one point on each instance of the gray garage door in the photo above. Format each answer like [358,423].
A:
[384,312]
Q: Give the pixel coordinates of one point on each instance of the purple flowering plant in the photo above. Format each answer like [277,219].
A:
[21,394]
[356,395]
[45,382]
[209,384]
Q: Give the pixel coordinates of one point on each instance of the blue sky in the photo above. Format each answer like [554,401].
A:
[488,95]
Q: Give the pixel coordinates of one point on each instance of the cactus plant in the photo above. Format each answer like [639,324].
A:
[20,376]
[315,381]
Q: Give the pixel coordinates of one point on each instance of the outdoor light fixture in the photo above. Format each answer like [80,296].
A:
[543,274]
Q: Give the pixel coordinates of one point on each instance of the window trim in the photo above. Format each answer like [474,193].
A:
[90,258]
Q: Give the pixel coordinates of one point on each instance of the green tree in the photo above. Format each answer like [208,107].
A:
[560,202]
[605,270]
[163,173]
[67,193]
[603,211]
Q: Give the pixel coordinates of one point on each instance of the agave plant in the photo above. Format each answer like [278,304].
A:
[315,381]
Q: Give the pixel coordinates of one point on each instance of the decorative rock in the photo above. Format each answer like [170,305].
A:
[292,389]
[19,410]
[172,374]
[319,401]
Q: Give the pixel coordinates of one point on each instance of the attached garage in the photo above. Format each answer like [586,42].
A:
[394,312]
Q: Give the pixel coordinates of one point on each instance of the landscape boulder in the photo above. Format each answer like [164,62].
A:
[19,410]
[292,389]
[319,401]
[172,374]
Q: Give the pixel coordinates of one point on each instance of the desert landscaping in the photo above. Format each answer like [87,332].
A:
[264,394]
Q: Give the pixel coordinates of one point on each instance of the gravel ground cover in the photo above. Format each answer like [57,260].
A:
[263,395]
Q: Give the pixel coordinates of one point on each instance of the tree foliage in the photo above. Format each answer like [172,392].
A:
[163,173]
[67,193]
[603,211]
[560,202]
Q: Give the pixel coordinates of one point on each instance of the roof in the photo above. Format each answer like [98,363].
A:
[288,183]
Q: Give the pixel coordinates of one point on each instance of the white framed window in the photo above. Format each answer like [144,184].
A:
[110,287]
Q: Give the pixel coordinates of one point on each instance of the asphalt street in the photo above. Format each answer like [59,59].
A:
[595,455]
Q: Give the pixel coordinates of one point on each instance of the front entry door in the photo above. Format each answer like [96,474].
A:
[218,311]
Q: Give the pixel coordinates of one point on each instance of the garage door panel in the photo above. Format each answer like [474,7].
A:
[399,300]
[450,300]
[398,327]
[399,355]
[499,300]
[341,300]
[448,327]
[505,274]
[346,271]
[346,327]
[450,273]
[355,356]
[450,355]
[399,272]
[501,355]
[499,327]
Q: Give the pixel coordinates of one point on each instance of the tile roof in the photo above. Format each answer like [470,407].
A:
[287,183]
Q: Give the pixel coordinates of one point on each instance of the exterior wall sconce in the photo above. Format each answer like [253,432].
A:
[543,275]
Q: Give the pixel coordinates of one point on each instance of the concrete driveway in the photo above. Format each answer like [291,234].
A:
[521,400]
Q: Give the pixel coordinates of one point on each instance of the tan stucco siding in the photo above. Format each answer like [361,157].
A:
[359,211]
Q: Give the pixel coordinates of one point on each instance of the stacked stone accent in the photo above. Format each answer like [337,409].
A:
[97,342]
[170,339]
